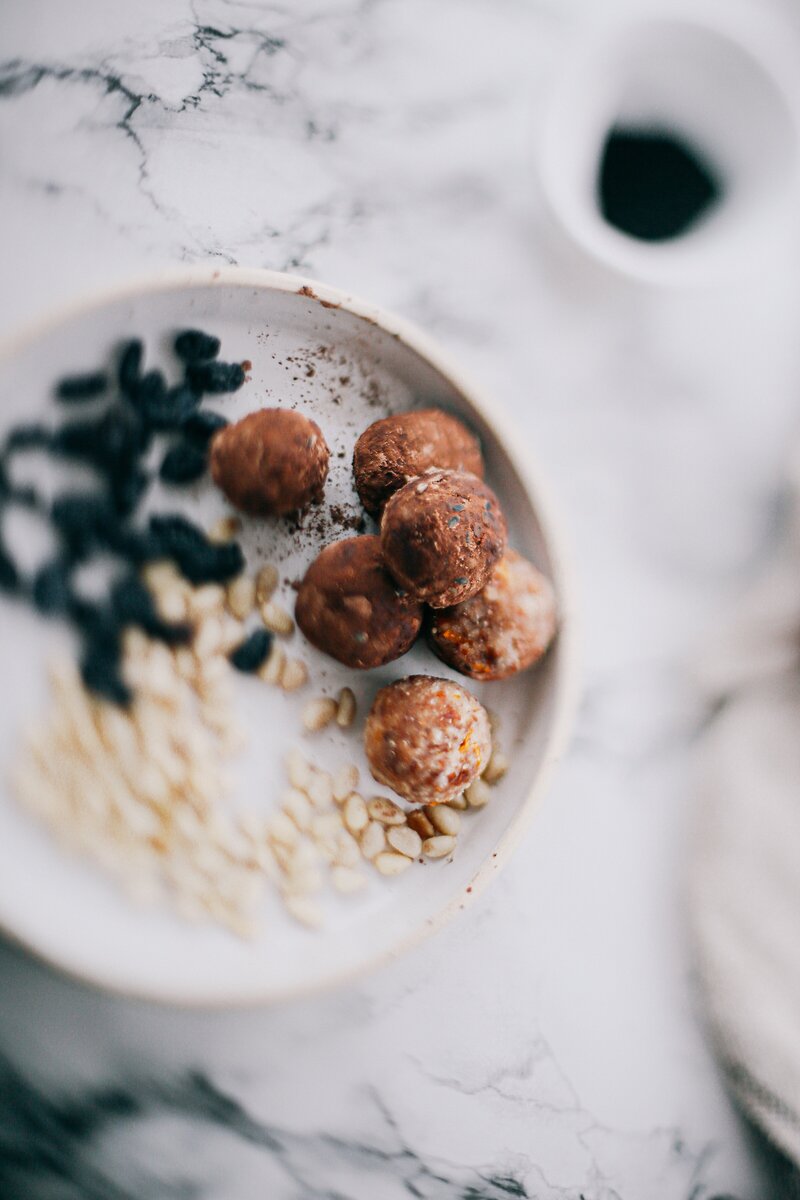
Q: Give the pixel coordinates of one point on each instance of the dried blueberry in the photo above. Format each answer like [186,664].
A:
[193,346]
[216,377]
[252,652]
[201,426]
[76,388]
[130,366]
[183,463]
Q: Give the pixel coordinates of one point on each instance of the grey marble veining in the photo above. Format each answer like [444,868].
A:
[547,1044]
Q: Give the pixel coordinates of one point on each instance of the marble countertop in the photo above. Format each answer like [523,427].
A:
[548,1043]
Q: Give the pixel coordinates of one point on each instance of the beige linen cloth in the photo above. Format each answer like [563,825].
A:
[745,846]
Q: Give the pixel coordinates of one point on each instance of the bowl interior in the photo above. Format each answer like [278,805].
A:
[722,90]
[345,369]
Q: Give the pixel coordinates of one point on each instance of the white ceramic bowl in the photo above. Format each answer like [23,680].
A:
[725,78]
[364,361]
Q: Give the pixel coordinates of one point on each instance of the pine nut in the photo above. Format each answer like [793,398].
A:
[209,638]
[224,529]
[346,880]
[297,768]
[240,596]
[420,824]
[385,811]
[161,574]
[276,618]
[478,793]
[171,604]
[445,819]
[372,840]
[404,840]
[318,713]
[346,852]
[294,675]
[438,847]
[319,789]
[389,863]
[301,882]
[272,669]
[206,600]
[297,806]
[266,583]
[346,710]
[326,826]
[497,767]
[459,804]
[354,813]
[305,910]
[345,781]
[282,829]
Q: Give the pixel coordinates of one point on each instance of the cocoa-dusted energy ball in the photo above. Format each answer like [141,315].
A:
[394,450]
[505,628]
[272,462]
[427,739]
[349,606]
[441,536]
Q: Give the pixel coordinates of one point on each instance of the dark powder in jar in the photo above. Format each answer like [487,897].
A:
[652,185]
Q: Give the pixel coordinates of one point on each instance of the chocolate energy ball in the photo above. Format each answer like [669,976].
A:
[349,606]
[272,462]
[441,536]
[427,739]
[394,450]
[505,628]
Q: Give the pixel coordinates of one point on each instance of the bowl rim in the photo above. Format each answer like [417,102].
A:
[565,681]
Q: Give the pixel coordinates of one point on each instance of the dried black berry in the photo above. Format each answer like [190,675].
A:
[133,604]
[199,560]
[172,409]
[136,546]
[183,463]
[216,377]
[52,588]
[76,388]
[9,575]
[26,496]
[110,442]
[130,366]
[128,488]
[85,521]
[28,437]
[193,346]
[201,426]
[252,652]
[150,389]
[100,670]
